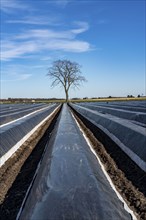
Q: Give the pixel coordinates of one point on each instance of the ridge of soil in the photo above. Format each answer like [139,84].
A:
[127,177]
[18,171]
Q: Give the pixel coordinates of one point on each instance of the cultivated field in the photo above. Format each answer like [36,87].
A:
[74,161]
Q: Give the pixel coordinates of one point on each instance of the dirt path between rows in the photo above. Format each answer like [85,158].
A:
[133,191]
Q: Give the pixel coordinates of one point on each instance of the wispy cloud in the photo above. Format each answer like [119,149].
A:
[69,46]
[12,73]
[82,27]
[15,77]
[11,49]
[45,58]
[9,6]
[45,33]
[35,40]
[48,33]
[39,20]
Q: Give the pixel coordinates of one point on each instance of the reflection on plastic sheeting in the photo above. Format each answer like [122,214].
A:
[70,183]
[13,133]
[130,137]
[121,113]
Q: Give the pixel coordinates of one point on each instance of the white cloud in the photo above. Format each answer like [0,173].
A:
[23,48]
[11,50]
[48,33]
[37,40]
[45,33]
[39,20]
[12,5]
[83,26]
[68,45]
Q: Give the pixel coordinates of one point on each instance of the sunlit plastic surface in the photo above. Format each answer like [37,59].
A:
[70,184]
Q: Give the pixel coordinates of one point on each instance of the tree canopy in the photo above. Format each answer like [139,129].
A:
[66,74]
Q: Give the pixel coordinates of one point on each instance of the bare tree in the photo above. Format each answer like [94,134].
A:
[67,74]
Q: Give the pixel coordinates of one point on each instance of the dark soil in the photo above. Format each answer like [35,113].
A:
[127,177]
[17,173]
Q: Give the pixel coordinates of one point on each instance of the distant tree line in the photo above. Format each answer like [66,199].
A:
[31,100]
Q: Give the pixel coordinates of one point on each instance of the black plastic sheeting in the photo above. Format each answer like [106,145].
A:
[130,137]
[70,183]
[8,116]
[138,107]
[6,109]
[14,132]
[135,116]
[136,103]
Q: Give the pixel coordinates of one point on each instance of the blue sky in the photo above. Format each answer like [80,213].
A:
[107,38]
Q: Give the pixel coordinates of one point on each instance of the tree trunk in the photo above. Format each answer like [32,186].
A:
[66,93]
